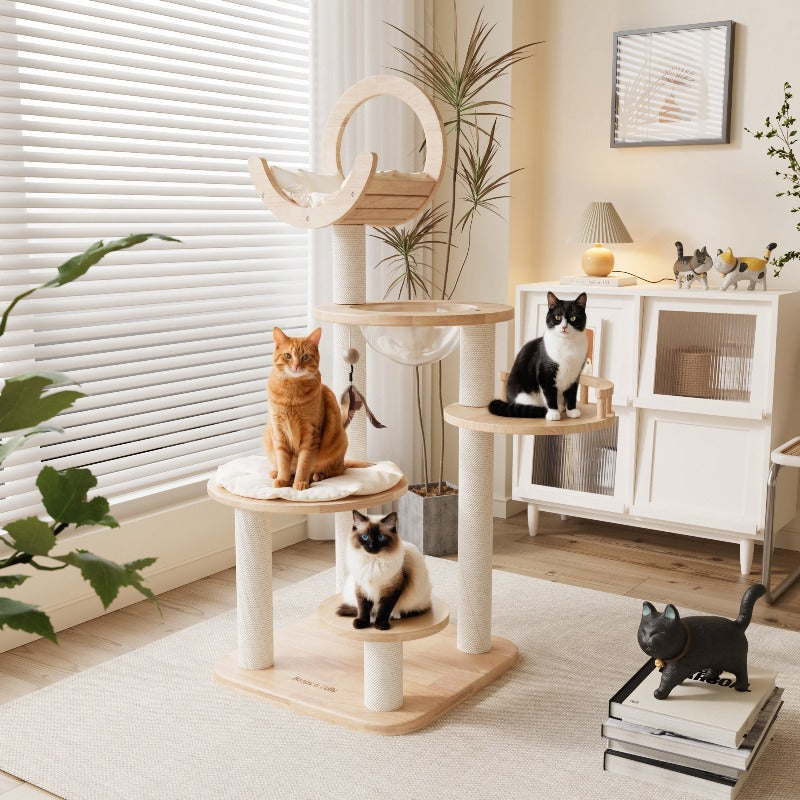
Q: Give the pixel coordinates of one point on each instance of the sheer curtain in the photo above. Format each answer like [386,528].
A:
[351,40]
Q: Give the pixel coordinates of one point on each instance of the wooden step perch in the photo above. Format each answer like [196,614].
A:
[365,198]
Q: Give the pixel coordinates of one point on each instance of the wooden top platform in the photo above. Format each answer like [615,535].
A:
[401,630]
[479,419]
[414,313]
[300,507]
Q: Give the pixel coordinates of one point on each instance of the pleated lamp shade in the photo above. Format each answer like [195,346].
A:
[600,224]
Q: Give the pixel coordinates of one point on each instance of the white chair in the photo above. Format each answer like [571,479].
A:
[787,455]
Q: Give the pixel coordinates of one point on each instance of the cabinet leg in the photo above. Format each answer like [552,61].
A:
[533,519]
[746,555]
[254,590]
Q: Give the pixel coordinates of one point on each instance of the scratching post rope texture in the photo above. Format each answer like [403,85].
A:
[349,286]
[383,675]
[253,590]
[475,476]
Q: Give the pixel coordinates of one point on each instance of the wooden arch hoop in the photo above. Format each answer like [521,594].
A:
[385,86]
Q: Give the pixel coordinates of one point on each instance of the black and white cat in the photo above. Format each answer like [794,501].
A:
[544,379]
[387,577]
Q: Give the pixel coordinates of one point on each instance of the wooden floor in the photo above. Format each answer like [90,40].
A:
[691,573]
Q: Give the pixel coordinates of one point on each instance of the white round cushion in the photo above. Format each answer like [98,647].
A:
[249,477]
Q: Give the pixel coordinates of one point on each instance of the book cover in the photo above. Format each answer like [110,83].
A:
[673,776]
[589,280]
[711,712]
[672,745]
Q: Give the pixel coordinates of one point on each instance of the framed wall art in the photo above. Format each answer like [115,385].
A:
[672,85]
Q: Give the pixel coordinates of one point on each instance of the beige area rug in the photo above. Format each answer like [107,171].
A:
[153,723]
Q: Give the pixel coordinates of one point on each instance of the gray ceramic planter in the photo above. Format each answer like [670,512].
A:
[431,523]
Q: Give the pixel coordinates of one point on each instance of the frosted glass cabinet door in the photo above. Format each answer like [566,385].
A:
[584,470]
[707,358]
[705,471]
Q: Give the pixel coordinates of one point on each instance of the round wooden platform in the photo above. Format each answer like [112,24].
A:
[401,630]
[414,313]
[349,503]
[479,419]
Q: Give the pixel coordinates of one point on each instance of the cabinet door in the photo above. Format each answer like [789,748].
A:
[612,321]
[586,470]
[707,356]
[702,470]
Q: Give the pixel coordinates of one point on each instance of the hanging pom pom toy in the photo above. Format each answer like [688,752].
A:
[352,400]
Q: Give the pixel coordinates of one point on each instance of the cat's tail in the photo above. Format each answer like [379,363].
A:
[768,250]
[679,246]
[748,601]
[346,610]
[500,408]
[356,464]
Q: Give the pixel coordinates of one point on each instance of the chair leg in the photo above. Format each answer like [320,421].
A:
[769,544]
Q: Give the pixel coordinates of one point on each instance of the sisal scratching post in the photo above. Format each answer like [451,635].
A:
[253,590]
[349,286]
[475,476]
[383,675]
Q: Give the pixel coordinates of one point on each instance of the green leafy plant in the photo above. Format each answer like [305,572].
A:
[460,85]
[782,132]
[26,401]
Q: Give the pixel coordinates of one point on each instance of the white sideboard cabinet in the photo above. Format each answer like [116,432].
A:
[706,384]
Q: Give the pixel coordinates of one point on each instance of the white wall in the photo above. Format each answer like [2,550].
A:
[717,195]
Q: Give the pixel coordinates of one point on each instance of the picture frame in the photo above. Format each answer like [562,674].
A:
[672,85]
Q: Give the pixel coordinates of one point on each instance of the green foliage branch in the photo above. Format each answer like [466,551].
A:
[27,401]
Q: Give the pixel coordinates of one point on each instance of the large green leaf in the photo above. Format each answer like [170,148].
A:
[10,581]
[107,577]
[78,265]
[25,617]
[64,496]
[22,404]
[15,442]
[31,535]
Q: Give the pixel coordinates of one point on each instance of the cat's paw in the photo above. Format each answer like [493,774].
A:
[273,474]
[360,623]
[553,414]
[318,476]
[382,626]
[279,483]
[573,413]
[300,485]
[660,694]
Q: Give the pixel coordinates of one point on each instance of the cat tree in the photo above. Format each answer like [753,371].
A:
[315,665]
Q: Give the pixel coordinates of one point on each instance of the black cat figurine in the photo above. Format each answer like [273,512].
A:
[682,647]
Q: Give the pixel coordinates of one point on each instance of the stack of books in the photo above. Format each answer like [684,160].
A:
[705,737]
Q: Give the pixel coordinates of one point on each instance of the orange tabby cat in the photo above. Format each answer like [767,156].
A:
[304,436]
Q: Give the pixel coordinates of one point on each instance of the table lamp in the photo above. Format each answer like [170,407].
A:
[600,225]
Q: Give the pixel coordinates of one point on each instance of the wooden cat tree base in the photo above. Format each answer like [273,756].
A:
[321,673]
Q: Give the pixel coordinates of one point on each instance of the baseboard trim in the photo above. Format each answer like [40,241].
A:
[192,540]
[505,508]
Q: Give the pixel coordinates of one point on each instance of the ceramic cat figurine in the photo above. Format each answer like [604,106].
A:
[687,269]
[544,379]
[749,269]
[683,647]
[304,436]
[387,577]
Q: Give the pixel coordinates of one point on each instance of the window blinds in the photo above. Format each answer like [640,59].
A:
[139,117]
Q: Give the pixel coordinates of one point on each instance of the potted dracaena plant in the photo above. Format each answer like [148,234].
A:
[26,402]
[461,85]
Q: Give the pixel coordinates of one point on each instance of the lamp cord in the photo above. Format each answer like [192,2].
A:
[639,277]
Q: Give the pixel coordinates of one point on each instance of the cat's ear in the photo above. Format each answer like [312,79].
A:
[359,518]
[552,300]
[279,336]
[648,609]
[581,299]
[314,337]
[670,612]
[390,521]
